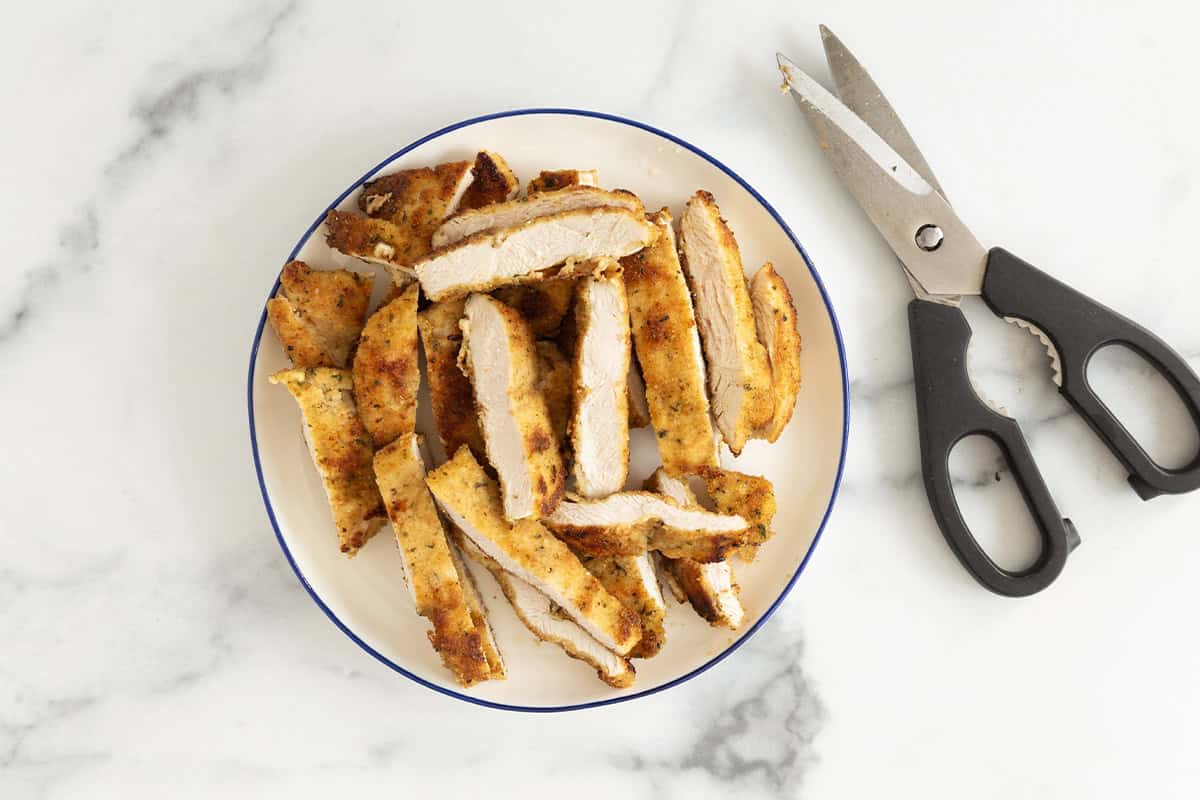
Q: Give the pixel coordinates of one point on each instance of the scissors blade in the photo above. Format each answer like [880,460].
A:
[896,198]
[859,93]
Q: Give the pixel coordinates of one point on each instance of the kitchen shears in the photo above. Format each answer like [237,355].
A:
[881,166]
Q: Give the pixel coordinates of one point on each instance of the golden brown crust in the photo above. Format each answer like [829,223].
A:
[664,337]
[623,579]
[418,198]
[638,537]
[433,577]
[551,180]
[464,489]
[543,305]
[703,226]
[449,390]
[749,496]
[622,678]
[775,320]
[375,240]
[479,613]
[700,594]
[415,202]
[386,372]
[639,410]
[317,314]
[341,450]
[493,181]
[554,382]
[692,581]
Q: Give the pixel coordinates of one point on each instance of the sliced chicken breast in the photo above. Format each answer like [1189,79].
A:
[491,181]
[775,320]
[376,241]
[739,375]
[449,390]
[630,523]
[471,593]
[417,196]
[436,584]
[499,356]
[677,490]
[318,314]
[479,612]
[549,624]
[386,372]
[415,201]
[749,496]
[341,450]
[518,212]
[555,179]
[631,580]
[667,345]
[666,579]
[555,383]
[639,411]
[673,488]
[543,305]
[600,417]
[471,500]
[560,245]
[710,588]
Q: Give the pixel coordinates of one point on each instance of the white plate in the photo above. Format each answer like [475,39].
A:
[365,596]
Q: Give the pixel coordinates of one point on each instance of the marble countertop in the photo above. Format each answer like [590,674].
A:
[160,159]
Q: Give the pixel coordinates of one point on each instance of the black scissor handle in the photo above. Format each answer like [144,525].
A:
[1079,326]
[948,410]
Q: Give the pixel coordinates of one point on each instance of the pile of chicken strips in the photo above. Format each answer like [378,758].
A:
[551,323]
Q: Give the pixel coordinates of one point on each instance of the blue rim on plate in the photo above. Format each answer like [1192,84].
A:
[837,335]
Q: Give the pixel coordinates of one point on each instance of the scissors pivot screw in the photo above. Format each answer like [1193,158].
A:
[929,238]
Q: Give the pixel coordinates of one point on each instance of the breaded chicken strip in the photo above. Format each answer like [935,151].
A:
[555,179]
[377,241]
[436,584]
[417,199]
[471,500]
[491,181]
[556,246]
[515,213]
[775,319]
[318,314]
[479,612]
[386,372]
[710,588]
[450,391]
[630,523]
[739,375]
[548,623]
[341,450]
[749,496]
[600,398]
[667,345]
[415,202]
[631,580]
[499,356]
